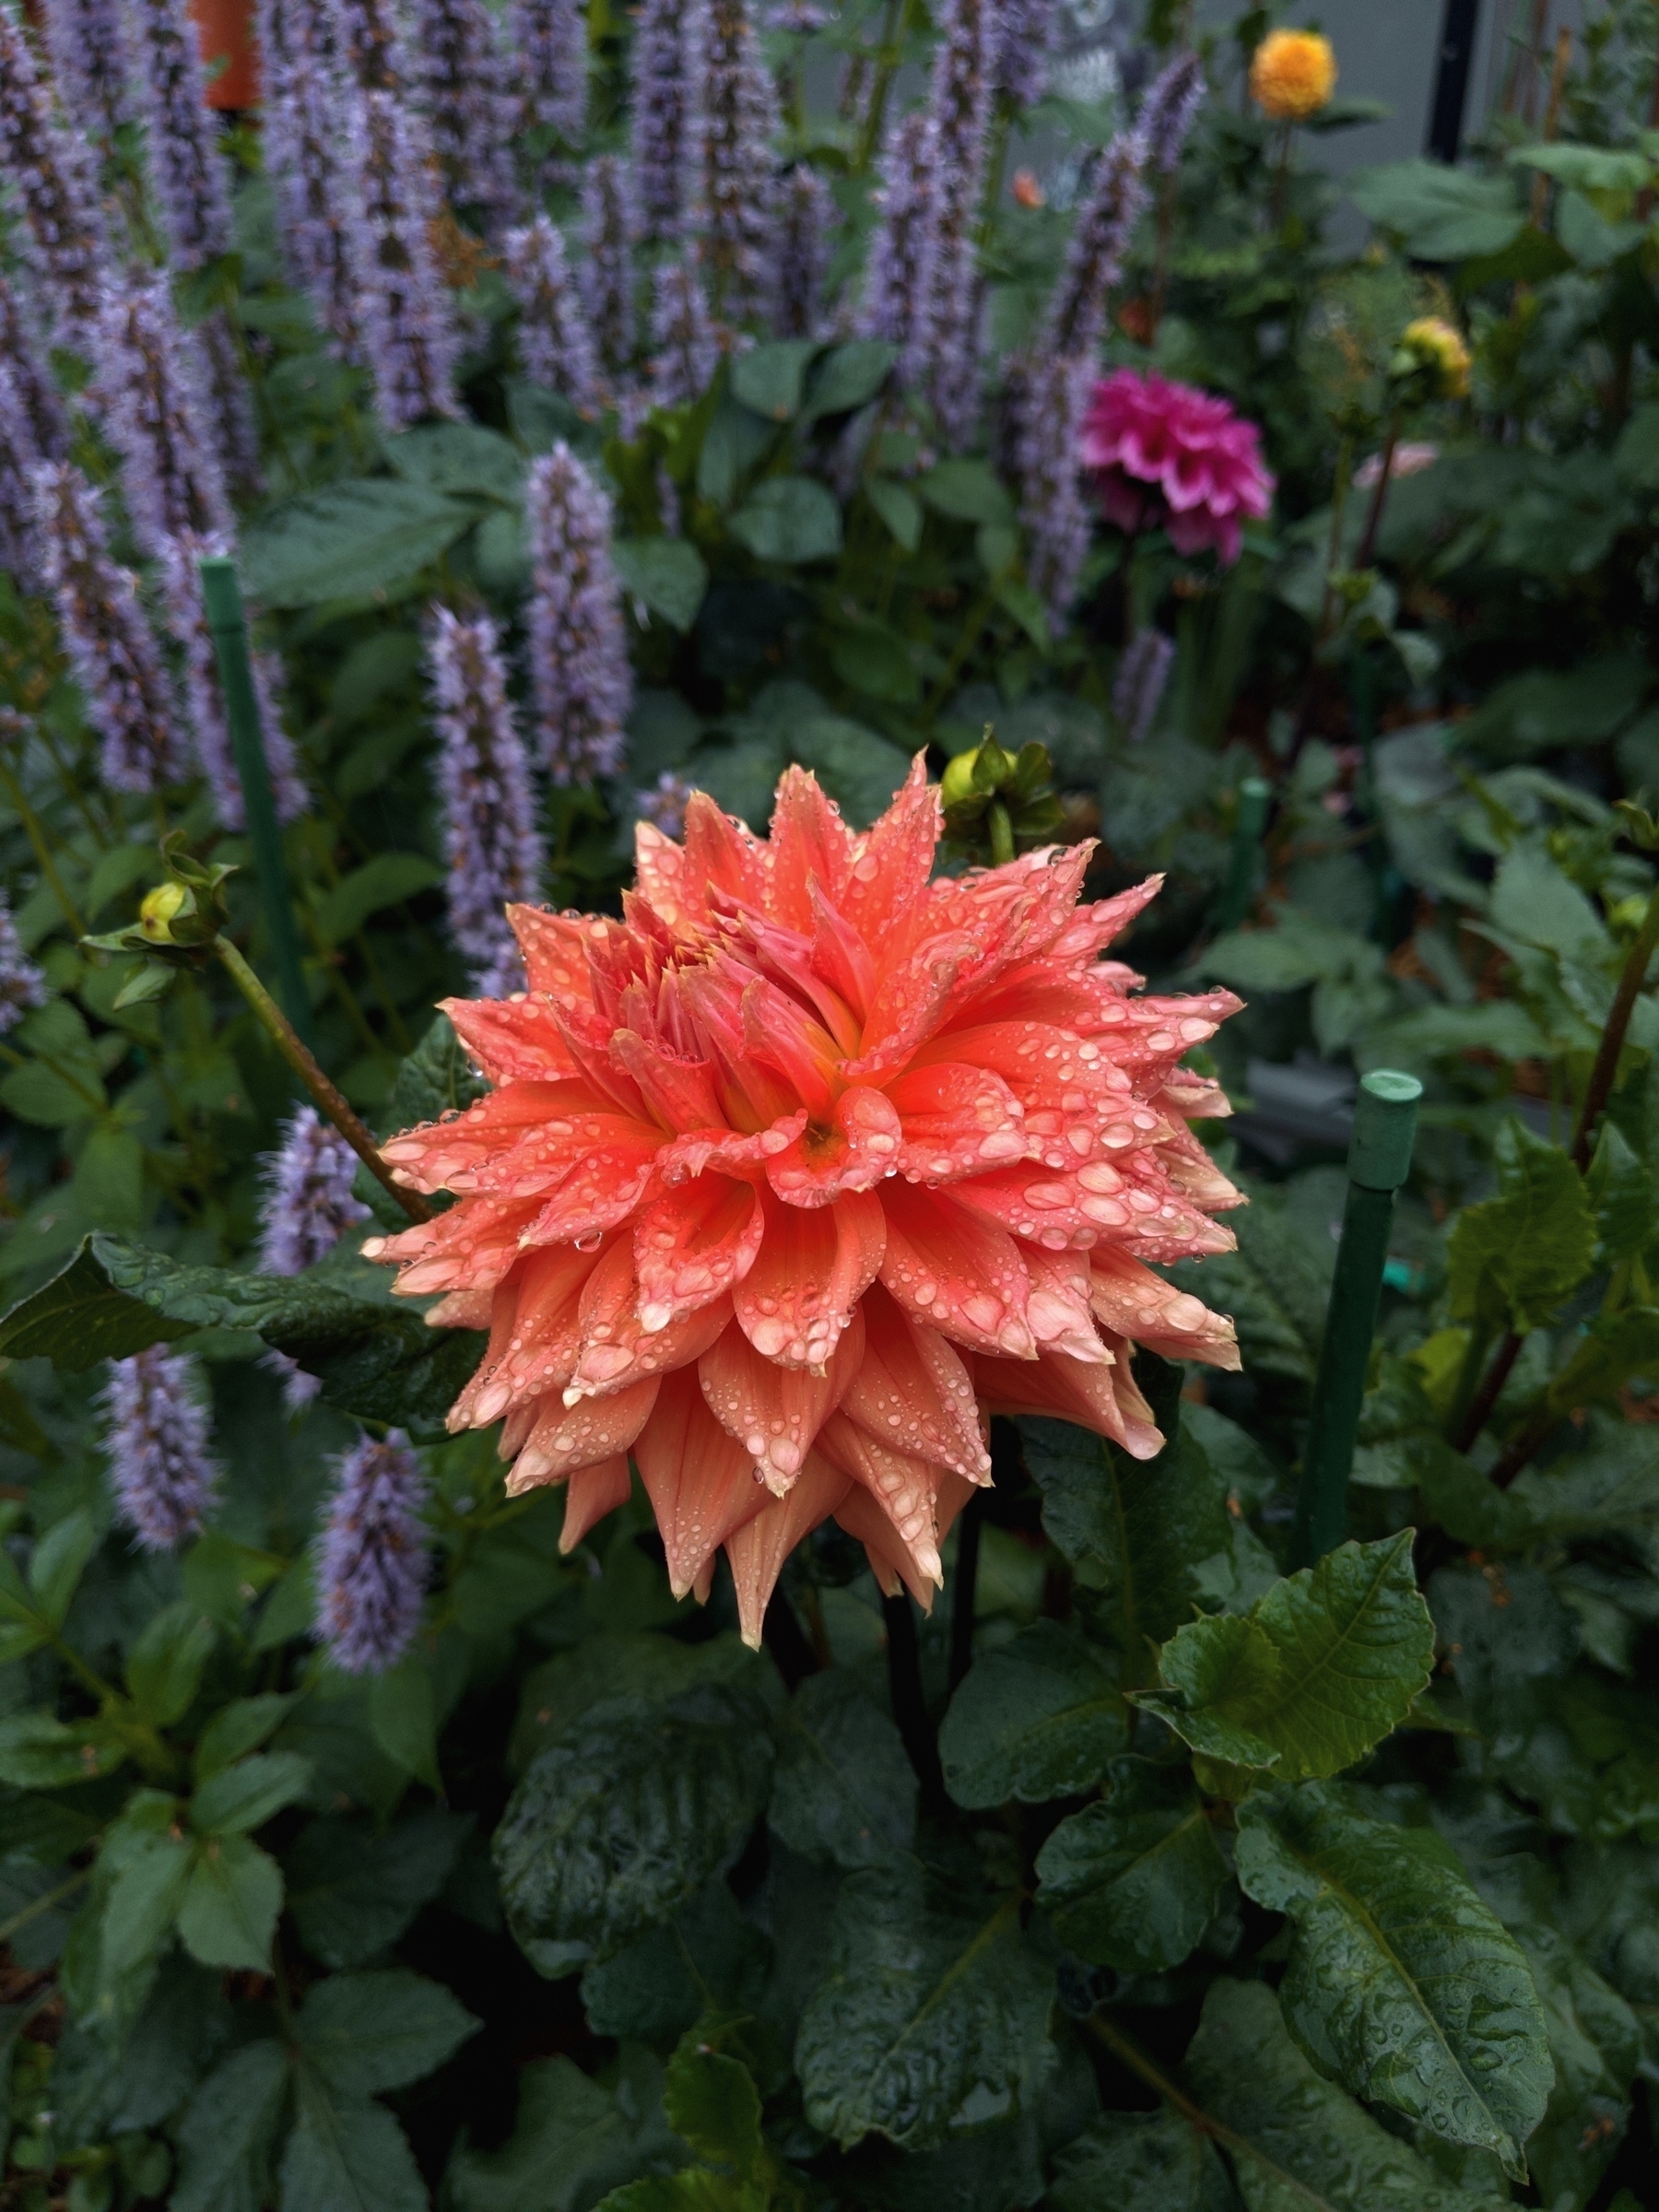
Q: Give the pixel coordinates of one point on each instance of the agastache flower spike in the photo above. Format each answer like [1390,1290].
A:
[580,681]
[898,274]
[22,985]
[733,122]
[187,621]
[798,255]
[959,108]
[405,317]
[371,1562]
[661,122]
[805,1167]
[1142,676]
[150,382]
[88,45]
[490,840]
[1106,220]
[608,227]
[1054,393]
[49,169]
[663,804]
[181,131]
[1169,111]
[548,40]
[1025,40]
[303,155]
[20,454]
[366,37]
[37,394]
[155,1442]
[464,79]
[111,646]
[684,352]
[306,1205]
[555,345]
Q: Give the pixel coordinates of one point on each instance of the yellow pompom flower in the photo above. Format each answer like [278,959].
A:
[1292,74]
[1433,344]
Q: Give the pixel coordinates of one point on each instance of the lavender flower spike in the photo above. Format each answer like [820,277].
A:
[684,352]
[1025,41]
[608,229]
[1077,315]
[23,354]
[19,456]
[959,107]
[365,35]
[151,382]
[371,1558]
[1142,674]
[157,1444]
[180,133]
[664,804]
[733,120]
[548,40]
[579,674]
[50,171]
[87,46]
[798,256]
[464,79]
[898,273]
[306,1206]
[111,648]
[1053,396]
[22,985]
[490,834]
[556,348]
[1169,109]
[205,700]
[409,326]
[304,158]
[661,120]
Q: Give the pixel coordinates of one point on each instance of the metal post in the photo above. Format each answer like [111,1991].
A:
[1255,795]
[1379,1162]
[1452,78]
[221,593]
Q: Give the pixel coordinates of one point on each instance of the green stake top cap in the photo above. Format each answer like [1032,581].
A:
[1384,1130]
[221,594]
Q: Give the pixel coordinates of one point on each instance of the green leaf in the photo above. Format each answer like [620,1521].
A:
[354,1893]
[860,770]
[165,1670]
[768,378]
[79,1319]
[347,2155]
[436,1078]
[969,491]
[1140,2162]
[1514,1258]
[366,2032]
[39,1752]
[40,1095]
[1625,1193]
[402,1713]
[1401,1982]
[145,1899]
[1275,1285]
[843,1791]
[1321,1668]
[245,1797]
[459,457]
[1441,213]
[933,2011]
[348,541]
[708,1959]
[1133,1881]
[789,518]
[228,2131]
[1037,1717]
[626,1815]
[230,1910]
[876,662]
[710,2102]
[1317,2151]
[1596,2041]
[665,573]
[847,377]
[237,1728]
[899,508]
[56,1570]
[383,881]
[572,2142]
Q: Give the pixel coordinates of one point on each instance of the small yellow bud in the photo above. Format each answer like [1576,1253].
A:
[1435,344]
[162,907]
[1292,74]
[955,786]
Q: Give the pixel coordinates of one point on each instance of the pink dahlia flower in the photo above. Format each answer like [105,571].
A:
[1169,456]
[795,1175]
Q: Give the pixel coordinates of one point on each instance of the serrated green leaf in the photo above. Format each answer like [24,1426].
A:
[934,2012]
[1140,2162]
[403,1712]
[228,2131]
[843,1792]
[242,1797]
[707,1959]
[1035,1718]
[899,508]
[789,518]
[1401,1982]
[1133,1880]
[143,1900]
[237,1728]
[228,1914]
[572,2143]
[665,573]
[768,378]
[847,377]
[1513,1259]
[1625,1193]
[626,1815]
[368,2032]
[348,541]
[40,1752]
[1596,2041]
[458,457]
[165,1670]
[710,2100]
[346,2155]
[968,491]
[354,1893]
[59,1560]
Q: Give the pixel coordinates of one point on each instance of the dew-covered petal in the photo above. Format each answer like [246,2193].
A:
[699,1241]
[775,1412]
[957,1273]
[512,1039]
[591,1494]
[814,1265]
[912,1392]
[956,1120]
[471,1247]
[567,1438]
[616,1349]
[701,1481]
[1132,1302]
[757,1551]
[858,1149]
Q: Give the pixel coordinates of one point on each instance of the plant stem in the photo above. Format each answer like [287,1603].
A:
[19,1920]
[1613,1035]
[1373,520]
[1002,833]
[1469,1375]
[43,850]
[282,1033]
[910,1706]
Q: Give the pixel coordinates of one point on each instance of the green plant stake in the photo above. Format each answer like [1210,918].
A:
[222,596]
[1379,1162]
[1255,795]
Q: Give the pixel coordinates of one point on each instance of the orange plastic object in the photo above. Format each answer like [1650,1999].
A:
[225,29]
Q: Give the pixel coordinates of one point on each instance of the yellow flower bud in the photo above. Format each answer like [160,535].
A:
[1433,344]
[955,786]
[162,907]
[1292,74]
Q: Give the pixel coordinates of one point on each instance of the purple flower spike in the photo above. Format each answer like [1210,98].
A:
[1025,41]
[960,106]
[489,835]
[580,679]
[49,169]
[609,225]
[684,353]
[152,385]
[1077,315]
[37,394]
[303,158]
[1169,110]
[205,699]
[21,983]
[408,325]
[733,122]
[556,348]
[1053,397]
[796,18]
[462,77]
[87,46]
[548,40]
[20,454]
[157,1445]
[365,36]
[306,1206]
[1142,676]
[663,804]
[661,119]
[897,274]
[799,255]
[181,131]
[372,1560]
[111,648]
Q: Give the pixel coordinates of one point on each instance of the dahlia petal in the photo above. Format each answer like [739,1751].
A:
[840,954]
[893,859]
[1061,1317]
[757,1551]
[539,1344]
[461,1309]
[660,868]
[902,1486]
[592,1493]
[1194,1173]
[616,1349]
[912,1394]
[470,1247]
[701,1481]
[722,855]
[427,1156]
[859,1148]
[956,1120]
[1132,1302]
[694,1244]
[809,844]
[536,1161]
[555,950]
[1091,928]
[724,1152]
[814,1265]
[566,1439]
[679,1092]
[909,1004]
[864,1515]
[602,1189]
[512,1039]
[957,1274]
[775,1412]
[1070,1390]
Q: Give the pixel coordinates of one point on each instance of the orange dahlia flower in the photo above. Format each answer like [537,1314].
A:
[796,1174]
[1292,74]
